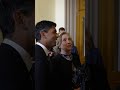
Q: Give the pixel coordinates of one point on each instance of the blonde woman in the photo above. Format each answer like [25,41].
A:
[65,63]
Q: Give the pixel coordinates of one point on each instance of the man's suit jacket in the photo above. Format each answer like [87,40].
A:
[13,71]
[41,69]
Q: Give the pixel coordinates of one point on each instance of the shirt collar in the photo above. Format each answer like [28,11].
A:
[44,48]
[23,53]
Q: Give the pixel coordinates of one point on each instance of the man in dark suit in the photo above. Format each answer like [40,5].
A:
[46,38]
[17,24]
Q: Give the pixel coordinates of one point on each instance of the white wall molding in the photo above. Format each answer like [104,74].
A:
[70,20]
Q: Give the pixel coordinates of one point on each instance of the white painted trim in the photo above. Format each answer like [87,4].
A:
[70,21]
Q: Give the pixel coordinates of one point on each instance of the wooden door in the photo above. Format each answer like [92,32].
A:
[108,26]
[108,39]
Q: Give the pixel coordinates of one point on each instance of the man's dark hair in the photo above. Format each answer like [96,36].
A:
[43,26]
[8,7]
[61,29]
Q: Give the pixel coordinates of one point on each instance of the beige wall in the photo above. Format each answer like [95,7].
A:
[60,13]
[44,10]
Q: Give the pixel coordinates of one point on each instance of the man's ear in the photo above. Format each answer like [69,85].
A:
[18,17]
[43,34]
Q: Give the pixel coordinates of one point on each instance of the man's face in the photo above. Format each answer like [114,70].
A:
[30,25]
[61,31]
[51,37]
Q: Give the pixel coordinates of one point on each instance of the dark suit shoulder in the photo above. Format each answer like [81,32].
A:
[39,50]
[14,74]
[9,54]
[7,50]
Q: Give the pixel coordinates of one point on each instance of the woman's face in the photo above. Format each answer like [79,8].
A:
[66,43]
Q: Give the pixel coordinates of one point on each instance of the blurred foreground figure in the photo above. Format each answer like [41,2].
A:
[94,62]
[17,26]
